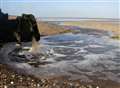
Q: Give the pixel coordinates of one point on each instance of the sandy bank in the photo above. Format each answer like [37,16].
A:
[46,28]
[98,25]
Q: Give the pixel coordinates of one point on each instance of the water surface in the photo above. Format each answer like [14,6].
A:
[81,56]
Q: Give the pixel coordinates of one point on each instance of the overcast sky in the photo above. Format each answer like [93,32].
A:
[63,8]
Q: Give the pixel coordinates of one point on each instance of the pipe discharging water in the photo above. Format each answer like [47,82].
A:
[35,46]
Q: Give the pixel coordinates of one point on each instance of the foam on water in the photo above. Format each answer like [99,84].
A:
[79,56]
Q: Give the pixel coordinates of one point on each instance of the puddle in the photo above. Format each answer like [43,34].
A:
[78,56]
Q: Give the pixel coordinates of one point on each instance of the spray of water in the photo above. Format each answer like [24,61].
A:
[35,46]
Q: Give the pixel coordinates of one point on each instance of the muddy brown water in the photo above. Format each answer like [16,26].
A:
[81,56]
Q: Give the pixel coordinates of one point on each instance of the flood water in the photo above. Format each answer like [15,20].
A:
[82,56]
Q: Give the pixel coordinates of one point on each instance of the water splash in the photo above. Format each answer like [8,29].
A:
[35,46]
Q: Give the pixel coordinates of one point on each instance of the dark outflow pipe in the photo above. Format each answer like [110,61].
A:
[25,26]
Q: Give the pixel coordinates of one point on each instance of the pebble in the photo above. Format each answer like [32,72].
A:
[5,86]
[13,76]
[97,87]
[12,82]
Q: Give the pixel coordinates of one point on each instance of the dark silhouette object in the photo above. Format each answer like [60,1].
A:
[21,29]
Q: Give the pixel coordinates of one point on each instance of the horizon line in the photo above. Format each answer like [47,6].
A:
[74,17]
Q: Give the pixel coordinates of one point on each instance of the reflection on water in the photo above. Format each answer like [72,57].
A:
[78,56]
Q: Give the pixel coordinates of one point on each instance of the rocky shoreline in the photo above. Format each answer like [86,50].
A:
[11,79]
